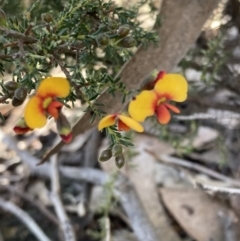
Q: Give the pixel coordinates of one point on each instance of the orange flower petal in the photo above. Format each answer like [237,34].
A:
[107,121]
[34,113]
[54,87]
[54,108]
[129,122]
[172,108]
[174,86]
[122,126]
[143,105]
[163,114]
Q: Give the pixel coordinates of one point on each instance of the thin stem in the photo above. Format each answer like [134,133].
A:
[66,226]
[194,166]
[33,201]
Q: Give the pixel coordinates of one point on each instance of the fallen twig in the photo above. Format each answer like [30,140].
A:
[66,226]
[33,201]
[25,218]
[128,197]
[203,116]
[137,215]
[216,189]
[196,167]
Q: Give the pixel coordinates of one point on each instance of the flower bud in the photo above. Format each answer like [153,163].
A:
[127,42]
[3,19]
[113,24]
[21,127]
[105,155]
[47,17]
[120,161]
[11,85]
[64,128]
[20,95]
[150,81]
[16,102]
[123,30]
[117,150]
[102,39]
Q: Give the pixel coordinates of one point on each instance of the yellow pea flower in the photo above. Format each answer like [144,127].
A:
[156,101]
[44,103]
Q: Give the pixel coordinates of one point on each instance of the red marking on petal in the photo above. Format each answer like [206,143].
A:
[167,97]
[159,76]
[163,114]
[122,126]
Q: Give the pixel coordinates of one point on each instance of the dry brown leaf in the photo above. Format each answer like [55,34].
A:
[196,212]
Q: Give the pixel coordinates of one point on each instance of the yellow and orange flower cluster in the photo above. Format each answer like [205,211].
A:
[165,88]
[45,104]
[153,100]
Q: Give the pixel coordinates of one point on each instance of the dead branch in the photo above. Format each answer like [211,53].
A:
[141,224]
[128,197]
[195,167]
[14,34]
[50,216]
[66,226]
[203,116]
[28,159]
[175,41]
[216,189]
[90,159]
[25,218]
